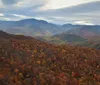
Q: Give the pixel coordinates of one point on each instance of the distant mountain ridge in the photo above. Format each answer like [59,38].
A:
[34,27]
[86,31]
[52,33]
[31,27]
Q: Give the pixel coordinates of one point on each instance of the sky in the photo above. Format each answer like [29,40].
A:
[54,11]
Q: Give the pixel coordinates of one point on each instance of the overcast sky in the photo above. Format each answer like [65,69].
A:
[55,11]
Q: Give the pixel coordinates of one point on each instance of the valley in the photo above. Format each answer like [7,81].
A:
[53,33]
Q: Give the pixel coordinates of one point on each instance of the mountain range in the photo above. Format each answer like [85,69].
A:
[53,33]
[34,27]
[31,27]
[86,31]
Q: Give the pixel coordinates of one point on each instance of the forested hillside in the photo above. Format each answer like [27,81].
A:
[32,62]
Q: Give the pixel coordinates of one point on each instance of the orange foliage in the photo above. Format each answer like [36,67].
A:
[31,62]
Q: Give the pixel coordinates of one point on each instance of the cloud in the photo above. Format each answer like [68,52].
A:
[1,15]
[55,4]
[83,12]
[78,9]
[23,3]
[13,17]
[9,2]
[22,9]
[21,16]
[83,22]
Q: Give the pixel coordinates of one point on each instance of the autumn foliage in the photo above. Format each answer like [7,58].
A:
[31,62]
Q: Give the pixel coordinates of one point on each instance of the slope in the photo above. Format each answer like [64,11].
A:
[86,32]
[32,62]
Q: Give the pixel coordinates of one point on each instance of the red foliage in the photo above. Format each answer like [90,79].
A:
[32,62]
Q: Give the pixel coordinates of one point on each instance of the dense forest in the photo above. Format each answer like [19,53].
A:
[27,61]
